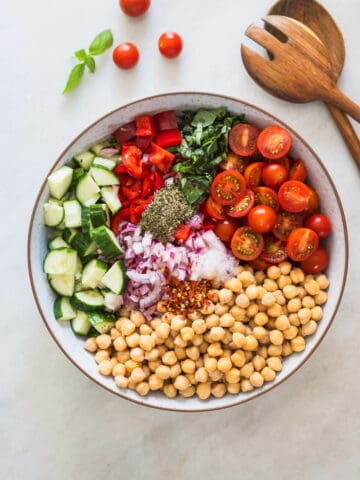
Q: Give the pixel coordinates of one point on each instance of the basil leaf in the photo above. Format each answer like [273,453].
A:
[81,55]
[75,76]
[204,118]
[101,42]
[90,63]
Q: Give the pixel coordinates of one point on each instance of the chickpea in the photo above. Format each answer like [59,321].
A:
[188,392]
[286,349]
[304,315]
[114,333]
[118,323]
[133,340]
[268,374]
[312,287]
[238,327]
[234,284]
[282,322]
[212,321]
[259,276]
[256,380]
[203,391]
[199,362]
[194,315]
[142,388]
[145,329]
[178,322]
[146,342]
[167,317]
[101,356]
[227,320]
[201,375]
[297,275]
[252,310]
[119,344]
[224,364]
[273,272]
[169,390]
[322,281]
[197,340]
[274,311]
[191,378]
[294,319]
[268,299]
[238,313]
[137,354]
[225,296]
[187,334]
[122,357]
[284,281]
[238,358]
[246,278]
[163,372]
[321,297]
[238,339]
[270,285]
[137,375]
[178,342]
[218,390]
[188,366]
[298,344]
[210,364]
[242,301]
[169,358]
[274,350]
[258,362]
[155,382]
[290,291]
[207,308]
[180,352]
[261,292]
[316,313]
[246,386]
[118,369]
[199,326]
[161,306]
[232,375]
[247,370]
[261,319]
[181,383]
[279,297]
[274,363]
[105,367]
[309,328]
[121,381]
[261,334]
[131,365]
[220,309]
[153,355]
[193,352]
[91,345]
[217,334]
[233,388]
[175,370]
[252,292]
[262,351]
[215,350]
[127,328]
[163,330]
[294,305]
[251,343]
[213,295]
[137,318]
[308,302]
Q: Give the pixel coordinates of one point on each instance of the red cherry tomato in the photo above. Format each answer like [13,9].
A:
[243,206]
[266,196]
[302,243]
[274,174]
[317,262]
[126,55]
[225,229]
[234,162]
[274,250]
[297,171]
[134,8]
[285,223]
[320,224]
[294,196]
[170,44]
[273,142]
[252,174]
[246,244]
[228,187]
[242,139]
[313,203]
[214,209]
[262,218]
[259,264]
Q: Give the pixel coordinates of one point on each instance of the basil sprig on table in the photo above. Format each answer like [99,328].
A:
[102,42]
[204,146]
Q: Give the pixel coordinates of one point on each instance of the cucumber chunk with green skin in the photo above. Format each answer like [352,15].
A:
[103,177]
[85,221]
[53,214]
[84,160]
[78,270]
[98,215]
[110,196]
[88,300]
[78,173]
[64,285]
[57,242]
[103,322]
[63,309]
[115,278]
[104,162]
[81,324]
[106,241]
[61,261]
[72,209]
[69,234]
[92,274]
[84,244]
[87,191]
[59,181]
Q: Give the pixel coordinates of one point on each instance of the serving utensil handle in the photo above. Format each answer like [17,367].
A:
[337,98]
[347,131]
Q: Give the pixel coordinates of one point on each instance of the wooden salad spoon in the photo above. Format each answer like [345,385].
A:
[319,20]
[300,68]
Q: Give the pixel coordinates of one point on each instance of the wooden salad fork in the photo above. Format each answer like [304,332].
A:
[300,68]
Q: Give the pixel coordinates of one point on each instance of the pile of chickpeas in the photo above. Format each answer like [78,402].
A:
[236,342]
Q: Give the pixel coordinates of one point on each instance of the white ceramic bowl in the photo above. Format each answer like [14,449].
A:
[101,129]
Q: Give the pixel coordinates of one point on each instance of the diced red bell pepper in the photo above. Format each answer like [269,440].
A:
[125,132]
[130,192]
[137,207]
[169,138]
[182,233]
[208,224]
[119,169]
[143,143]
[131,158]
[121,216]
[147,186]
[144,126]
[165,121]
[158,181]
[161,158]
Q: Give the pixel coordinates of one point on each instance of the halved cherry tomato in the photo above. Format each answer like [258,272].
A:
[252,174]
[228,187]
[242,139]
[182,233]
[226,229]
[294,196]
[302,243]
[274,250]
[274,142]
[262,218]
[234,162]
[214,209]
[274,174]
[246,244]
[313,203]
[317,262]
[131,159]
[266,196]
[297,171]
[285,223]
[320,224]
[242,207]
[259,264]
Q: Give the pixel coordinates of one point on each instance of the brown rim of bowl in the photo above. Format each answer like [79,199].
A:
[232,404]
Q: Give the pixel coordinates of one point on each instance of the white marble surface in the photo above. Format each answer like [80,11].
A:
[54,422]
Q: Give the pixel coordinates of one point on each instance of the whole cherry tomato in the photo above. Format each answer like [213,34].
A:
[225,229]
[320,224]
[317,262]
[262,218]
[274,174]
[126,55]
[170,44]
[134,8]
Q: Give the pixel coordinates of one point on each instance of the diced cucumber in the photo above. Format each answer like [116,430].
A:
[87,191]
[61,261]
[53,214]
[84,160]
[84,244]
[85,221]
[112,301]
[106,241]
[101,321]
[63,284]
[63,309]
[78,270]
[96,149]
[115,278]
[72,210]
[81,324]
[98,215]
[103,176]
[104,162]
[55,201]
[78,173]
[88,300]
[92,274]
[59,181]
[110,196]
[57,242]
[69,234]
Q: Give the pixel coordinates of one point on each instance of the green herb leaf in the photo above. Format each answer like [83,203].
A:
[90,63]
[75,76]
[101,42]
[81,55]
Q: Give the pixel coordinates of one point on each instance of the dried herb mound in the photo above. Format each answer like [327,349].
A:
[166,212]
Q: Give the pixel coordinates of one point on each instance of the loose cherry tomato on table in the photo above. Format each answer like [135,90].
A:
[285,223]
[274,250]
[273,142]
[297,171]
[294,196]
[252,174]
[134,8]
[317,262]
[242,207]
[246,244]
[320,224]
[262,218]
[242,139]
[234,162]
[214,209]
[302,243]
[228,187]
[226,229]
[274,174]
[170,44]
[266,196]
[126,55]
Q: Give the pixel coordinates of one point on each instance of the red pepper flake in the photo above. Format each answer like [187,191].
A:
[186,296]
